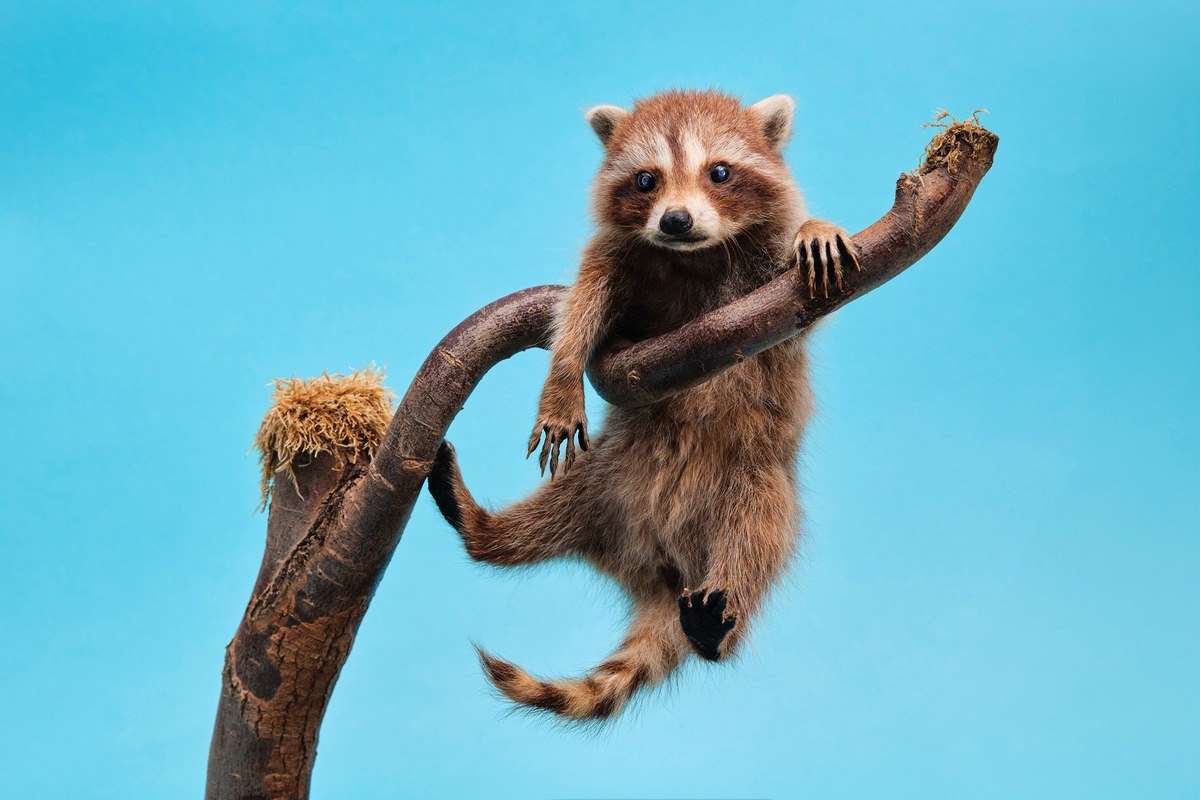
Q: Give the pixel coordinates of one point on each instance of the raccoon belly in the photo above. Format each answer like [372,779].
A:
[675,483]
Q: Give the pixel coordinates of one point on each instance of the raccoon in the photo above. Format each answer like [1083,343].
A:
[690,504]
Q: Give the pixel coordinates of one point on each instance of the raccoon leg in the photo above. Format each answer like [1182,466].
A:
[745,559]
[652,649]
[553,521]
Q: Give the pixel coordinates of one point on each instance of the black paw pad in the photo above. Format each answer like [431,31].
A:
[702,616]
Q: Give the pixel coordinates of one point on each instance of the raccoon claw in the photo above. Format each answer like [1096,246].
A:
[823,249]
[556,435]
[702,616]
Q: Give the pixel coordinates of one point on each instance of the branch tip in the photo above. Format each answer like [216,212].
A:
[958,139]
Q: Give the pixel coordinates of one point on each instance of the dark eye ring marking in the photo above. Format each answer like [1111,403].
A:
[646,181]
[720,173]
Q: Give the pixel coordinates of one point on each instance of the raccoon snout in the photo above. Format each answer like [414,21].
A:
[675,221]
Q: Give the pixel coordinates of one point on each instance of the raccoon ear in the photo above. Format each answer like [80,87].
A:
[775,117]
[604,120]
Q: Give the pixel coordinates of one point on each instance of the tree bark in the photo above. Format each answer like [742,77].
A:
[332,532]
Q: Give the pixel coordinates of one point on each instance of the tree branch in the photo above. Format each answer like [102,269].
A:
[333,529]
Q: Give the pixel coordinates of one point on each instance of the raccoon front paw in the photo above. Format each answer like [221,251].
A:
[559,429]
[823,249]
[704,622]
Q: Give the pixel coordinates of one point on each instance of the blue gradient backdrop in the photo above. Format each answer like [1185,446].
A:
[998,590]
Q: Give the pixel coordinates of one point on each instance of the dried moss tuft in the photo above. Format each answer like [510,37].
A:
[344,415]
[957,139]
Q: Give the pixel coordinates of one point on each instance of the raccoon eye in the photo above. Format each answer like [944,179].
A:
[645,181]
[719,174]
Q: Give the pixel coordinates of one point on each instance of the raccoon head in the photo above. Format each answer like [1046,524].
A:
[690,170]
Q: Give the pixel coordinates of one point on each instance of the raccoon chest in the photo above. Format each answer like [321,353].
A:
[656,310]
[760,400]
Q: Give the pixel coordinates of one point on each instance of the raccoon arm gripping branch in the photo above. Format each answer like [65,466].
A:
[927,206]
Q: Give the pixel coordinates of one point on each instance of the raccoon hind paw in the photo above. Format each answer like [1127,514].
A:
[442,480]
[702,616]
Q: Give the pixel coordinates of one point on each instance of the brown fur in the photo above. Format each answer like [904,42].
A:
[697,490]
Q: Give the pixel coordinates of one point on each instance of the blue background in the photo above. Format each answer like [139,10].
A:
[998,592]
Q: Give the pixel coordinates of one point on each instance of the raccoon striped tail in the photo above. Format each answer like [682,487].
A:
[646,658]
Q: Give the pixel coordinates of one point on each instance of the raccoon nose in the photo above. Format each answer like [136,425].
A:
[675,221]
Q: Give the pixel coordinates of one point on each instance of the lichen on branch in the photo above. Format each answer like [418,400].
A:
[345,415]
[944,149]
